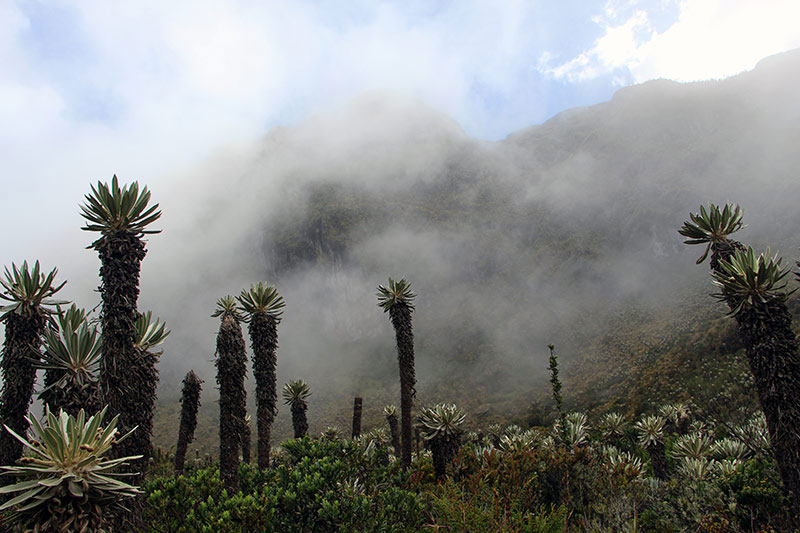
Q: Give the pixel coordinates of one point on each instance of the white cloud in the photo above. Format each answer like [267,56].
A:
[167,83]
[710,39]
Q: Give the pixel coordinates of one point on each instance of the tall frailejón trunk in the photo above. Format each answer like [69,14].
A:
[443,450]
[299,418]
[121,254]
[190,403]
[264,339]
[231,368]
[772,352]
[21,348]
[246,438]
[658,458]
[394,431]
[358,403]
[771,346]
[400,316]
[143,377]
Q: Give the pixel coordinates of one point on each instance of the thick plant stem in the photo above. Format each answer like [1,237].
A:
[121,254]
[400,316]
[231,367]
[190,403]
[264,341]
[394,431]
[357,408]
[299,419]
[23,337]
[772,352]
[443,449]
[246,438]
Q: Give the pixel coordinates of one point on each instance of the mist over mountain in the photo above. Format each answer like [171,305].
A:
[562,233]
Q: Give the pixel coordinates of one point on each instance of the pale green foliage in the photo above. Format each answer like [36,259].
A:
[622,461]
[441,420]
[72,318]
[575,431]
[696,469]
[29,291]
[674,412]
[226,306]
[376,436]
[295,391]
[612,425]
[701,426]
[711,226]
[64,472]
[729,449]
[112,209]
[149,333]
[694,445]
[74,347]
[390,410]
[262,298]
[396,292]
[518,441]
[548,442]
[650,430]
[331,432]
[747,279]
[753,434]
[727,467]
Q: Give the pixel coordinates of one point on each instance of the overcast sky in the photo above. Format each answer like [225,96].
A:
[149,89]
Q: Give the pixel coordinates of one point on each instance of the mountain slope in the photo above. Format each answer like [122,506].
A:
[563,233]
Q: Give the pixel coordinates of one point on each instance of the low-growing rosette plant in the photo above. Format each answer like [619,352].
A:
[441,426]
[66,483]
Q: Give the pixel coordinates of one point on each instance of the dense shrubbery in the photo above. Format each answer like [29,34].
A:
[324,485]
[537,480]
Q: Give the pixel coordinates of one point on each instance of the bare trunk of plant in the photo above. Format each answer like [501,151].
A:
[658,457]
[264,339]
[299,419]
[400,315]
[23,338]
[231,368]
[357,403]
[143,377]
[121,254]
[443,450]
[394,431]
[190,403]
[246,438]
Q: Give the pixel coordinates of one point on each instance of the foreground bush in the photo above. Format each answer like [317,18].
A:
[324,485]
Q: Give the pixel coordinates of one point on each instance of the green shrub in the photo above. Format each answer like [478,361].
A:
[327,486]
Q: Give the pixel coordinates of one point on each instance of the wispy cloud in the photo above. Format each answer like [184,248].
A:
[710,39]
